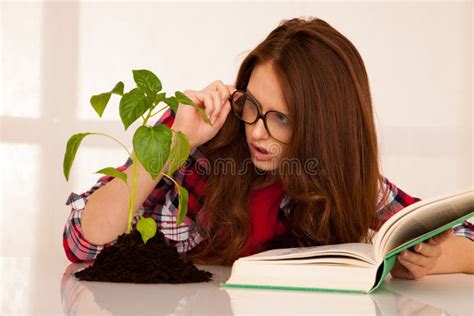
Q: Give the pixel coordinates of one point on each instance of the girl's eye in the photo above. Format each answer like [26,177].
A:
[282,118]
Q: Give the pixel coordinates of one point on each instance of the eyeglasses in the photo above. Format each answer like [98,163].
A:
[247,109]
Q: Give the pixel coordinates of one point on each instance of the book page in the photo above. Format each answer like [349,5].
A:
[324,260]
[360,251]
[423,218]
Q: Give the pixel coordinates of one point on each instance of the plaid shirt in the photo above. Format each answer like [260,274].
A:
[161,205]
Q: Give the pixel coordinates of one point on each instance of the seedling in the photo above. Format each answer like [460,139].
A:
[153,145]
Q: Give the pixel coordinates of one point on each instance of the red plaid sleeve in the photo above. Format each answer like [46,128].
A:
[392,199]
[190,233]
[76,247]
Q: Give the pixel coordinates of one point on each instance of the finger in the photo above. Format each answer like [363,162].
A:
[211,87]
[418,259]
[444,235]
[226,91]
[209,102]
[230,88]
[223,90]
[415,270]
[216,97]
[204,100]
[440,238]
[400,271]
[428,250]
[223,113]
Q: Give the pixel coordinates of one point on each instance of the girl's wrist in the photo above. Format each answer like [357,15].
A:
[192,144]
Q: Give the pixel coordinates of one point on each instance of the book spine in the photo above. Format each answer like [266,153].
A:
[383,271]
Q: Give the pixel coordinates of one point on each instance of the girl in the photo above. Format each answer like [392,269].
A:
[291,160]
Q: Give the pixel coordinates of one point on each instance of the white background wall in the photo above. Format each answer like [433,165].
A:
[56,55]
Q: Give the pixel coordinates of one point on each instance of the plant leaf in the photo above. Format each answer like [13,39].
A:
[183,204]
[118,89]
[147,228]
[71,149]
[114,173]
[182,98]
[147,80]
[152,147]
[159,97]
[204,115]
[132,106]
[172,103]
[99,101]
[179,152]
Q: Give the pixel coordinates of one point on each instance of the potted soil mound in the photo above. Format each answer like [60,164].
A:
[130,260]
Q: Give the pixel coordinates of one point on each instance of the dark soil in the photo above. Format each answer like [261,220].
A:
[129,260]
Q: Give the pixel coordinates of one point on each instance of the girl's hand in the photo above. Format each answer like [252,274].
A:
[416,264]
[214,99]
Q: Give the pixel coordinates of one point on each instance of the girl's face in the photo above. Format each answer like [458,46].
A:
[263,86]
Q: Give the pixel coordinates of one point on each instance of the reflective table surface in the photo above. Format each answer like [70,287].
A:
[44,286]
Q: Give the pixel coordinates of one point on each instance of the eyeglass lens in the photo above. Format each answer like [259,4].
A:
[277,123]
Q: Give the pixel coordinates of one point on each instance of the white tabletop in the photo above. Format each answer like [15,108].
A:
[44,286]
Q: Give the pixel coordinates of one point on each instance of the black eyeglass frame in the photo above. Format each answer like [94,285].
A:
[261,115]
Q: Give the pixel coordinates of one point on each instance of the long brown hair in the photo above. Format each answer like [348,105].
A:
[326,88]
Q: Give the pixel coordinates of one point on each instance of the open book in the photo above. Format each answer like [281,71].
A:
[352,267]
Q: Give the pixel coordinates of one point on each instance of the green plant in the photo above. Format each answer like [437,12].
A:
[153,145]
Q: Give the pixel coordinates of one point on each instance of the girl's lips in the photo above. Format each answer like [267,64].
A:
[258,154]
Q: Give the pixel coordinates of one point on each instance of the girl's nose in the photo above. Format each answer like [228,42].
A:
[259,130]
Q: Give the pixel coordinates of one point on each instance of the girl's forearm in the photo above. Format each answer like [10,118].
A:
[457,256]
[106,213]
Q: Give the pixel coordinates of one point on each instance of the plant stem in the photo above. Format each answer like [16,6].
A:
[169,177]
[148,115]
[131,210]
[113,138]
[159,111]
[151,115]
